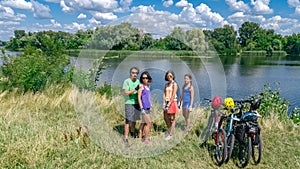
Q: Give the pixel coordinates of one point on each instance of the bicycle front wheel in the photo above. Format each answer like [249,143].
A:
[230,145]
[221,146]
[256,148]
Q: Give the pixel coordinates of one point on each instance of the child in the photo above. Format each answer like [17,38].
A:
[144,96]
[187,99]
[170,102]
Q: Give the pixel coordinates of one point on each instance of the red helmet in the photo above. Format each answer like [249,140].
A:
[216,102]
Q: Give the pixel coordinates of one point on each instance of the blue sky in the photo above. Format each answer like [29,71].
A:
[156,17]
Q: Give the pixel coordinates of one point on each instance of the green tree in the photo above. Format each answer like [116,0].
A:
[19,33]
[147,41]
[247,32]
[176,40]
[276,44]
[196,40]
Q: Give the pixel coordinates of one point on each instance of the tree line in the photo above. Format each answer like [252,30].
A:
[225,40]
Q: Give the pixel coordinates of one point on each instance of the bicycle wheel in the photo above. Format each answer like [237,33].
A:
[221,147]
[206,132]
[244,151]
[256,148]
[230,145]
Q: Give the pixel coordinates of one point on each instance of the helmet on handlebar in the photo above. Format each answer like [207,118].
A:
[229,103]
[255,104]
[216,102]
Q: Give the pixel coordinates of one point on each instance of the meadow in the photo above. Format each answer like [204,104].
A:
[45,130]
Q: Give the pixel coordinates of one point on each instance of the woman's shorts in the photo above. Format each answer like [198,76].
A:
[186,105]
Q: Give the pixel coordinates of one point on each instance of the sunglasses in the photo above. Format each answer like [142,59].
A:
[135,73]
[144,77]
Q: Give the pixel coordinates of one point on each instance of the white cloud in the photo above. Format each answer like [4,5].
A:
[7,13]
[125,3]
[104,16]
[143,9]
[89,5]
[81,16]
[182,3]
[261,6]
[40,11]
[239,18]
[297,10]
[55,24]
[238,5]
[19,4]
[74,26]
[93,21]
[9,23]
[295,4]
[66,8]
[54,1]
[167,3]
[210,18]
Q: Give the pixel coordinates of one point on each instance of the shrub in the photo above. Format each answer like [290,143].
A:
[33,70]
[272,102]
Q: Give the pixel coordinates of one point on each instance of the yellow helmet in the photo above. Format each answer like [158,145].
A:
[229,103]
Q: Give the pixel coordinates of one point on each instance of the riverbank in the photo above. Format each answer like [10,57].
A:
[42,131]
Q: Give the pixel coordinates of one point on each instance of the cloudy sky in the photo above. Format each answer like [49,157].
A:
[157,17]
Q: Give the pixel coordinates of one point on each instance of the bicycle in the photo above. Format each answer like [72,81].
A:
[232,119]
[248,133]
[253,130]
[218,133]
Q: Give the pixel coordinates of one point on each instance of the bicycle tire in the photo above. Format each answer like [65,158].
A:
[230,145]
[245,151]
[221,147]
[206,132]
[256,148]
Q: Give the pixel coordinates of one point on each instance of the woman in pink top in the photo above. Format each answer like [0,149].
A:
[170,102]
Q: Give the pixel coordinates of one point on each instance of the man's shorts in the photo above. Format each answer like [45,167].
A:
[132,113]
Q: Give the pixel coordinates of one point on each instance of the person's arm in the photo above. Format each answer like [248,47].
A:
[192,96]
[181,97]
[164,97]
[140,97]
[129,92]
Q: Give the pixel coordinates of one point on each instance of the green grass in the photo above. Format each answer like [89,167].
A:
[42,130]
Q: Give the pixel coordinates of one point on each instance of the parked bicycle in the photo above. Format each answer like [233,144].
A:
[232,119]
[248,133]
[215,130]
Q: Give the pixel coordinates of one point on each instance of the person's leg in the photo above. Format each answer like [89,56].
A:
[167,120]
[147,127]
[141,129]
[126,130]
[187,120]
[172,121]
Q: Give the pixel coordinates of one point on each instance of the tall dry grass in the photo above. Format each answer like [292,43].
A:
[46,130]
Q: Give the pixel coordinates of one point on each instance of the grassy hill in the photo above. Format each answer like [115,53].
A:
[46,130]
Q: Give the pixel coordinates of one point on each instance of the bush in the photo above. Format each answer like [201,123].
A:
[295,115]
[33,70]
[272,102]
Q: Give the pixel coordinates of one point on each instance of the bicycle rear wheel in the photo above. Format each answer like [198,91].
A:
[221,147]
[244,151]
[206,132]
[256,148]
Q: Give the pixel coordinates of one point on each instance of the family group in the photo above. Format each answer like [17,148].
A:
[138,103]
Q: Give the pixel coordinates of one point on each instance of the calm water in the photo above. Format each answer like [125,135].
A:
[235,77]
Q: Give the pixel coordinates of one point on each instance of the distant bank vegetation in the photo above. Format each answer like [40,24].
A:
[226,41]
